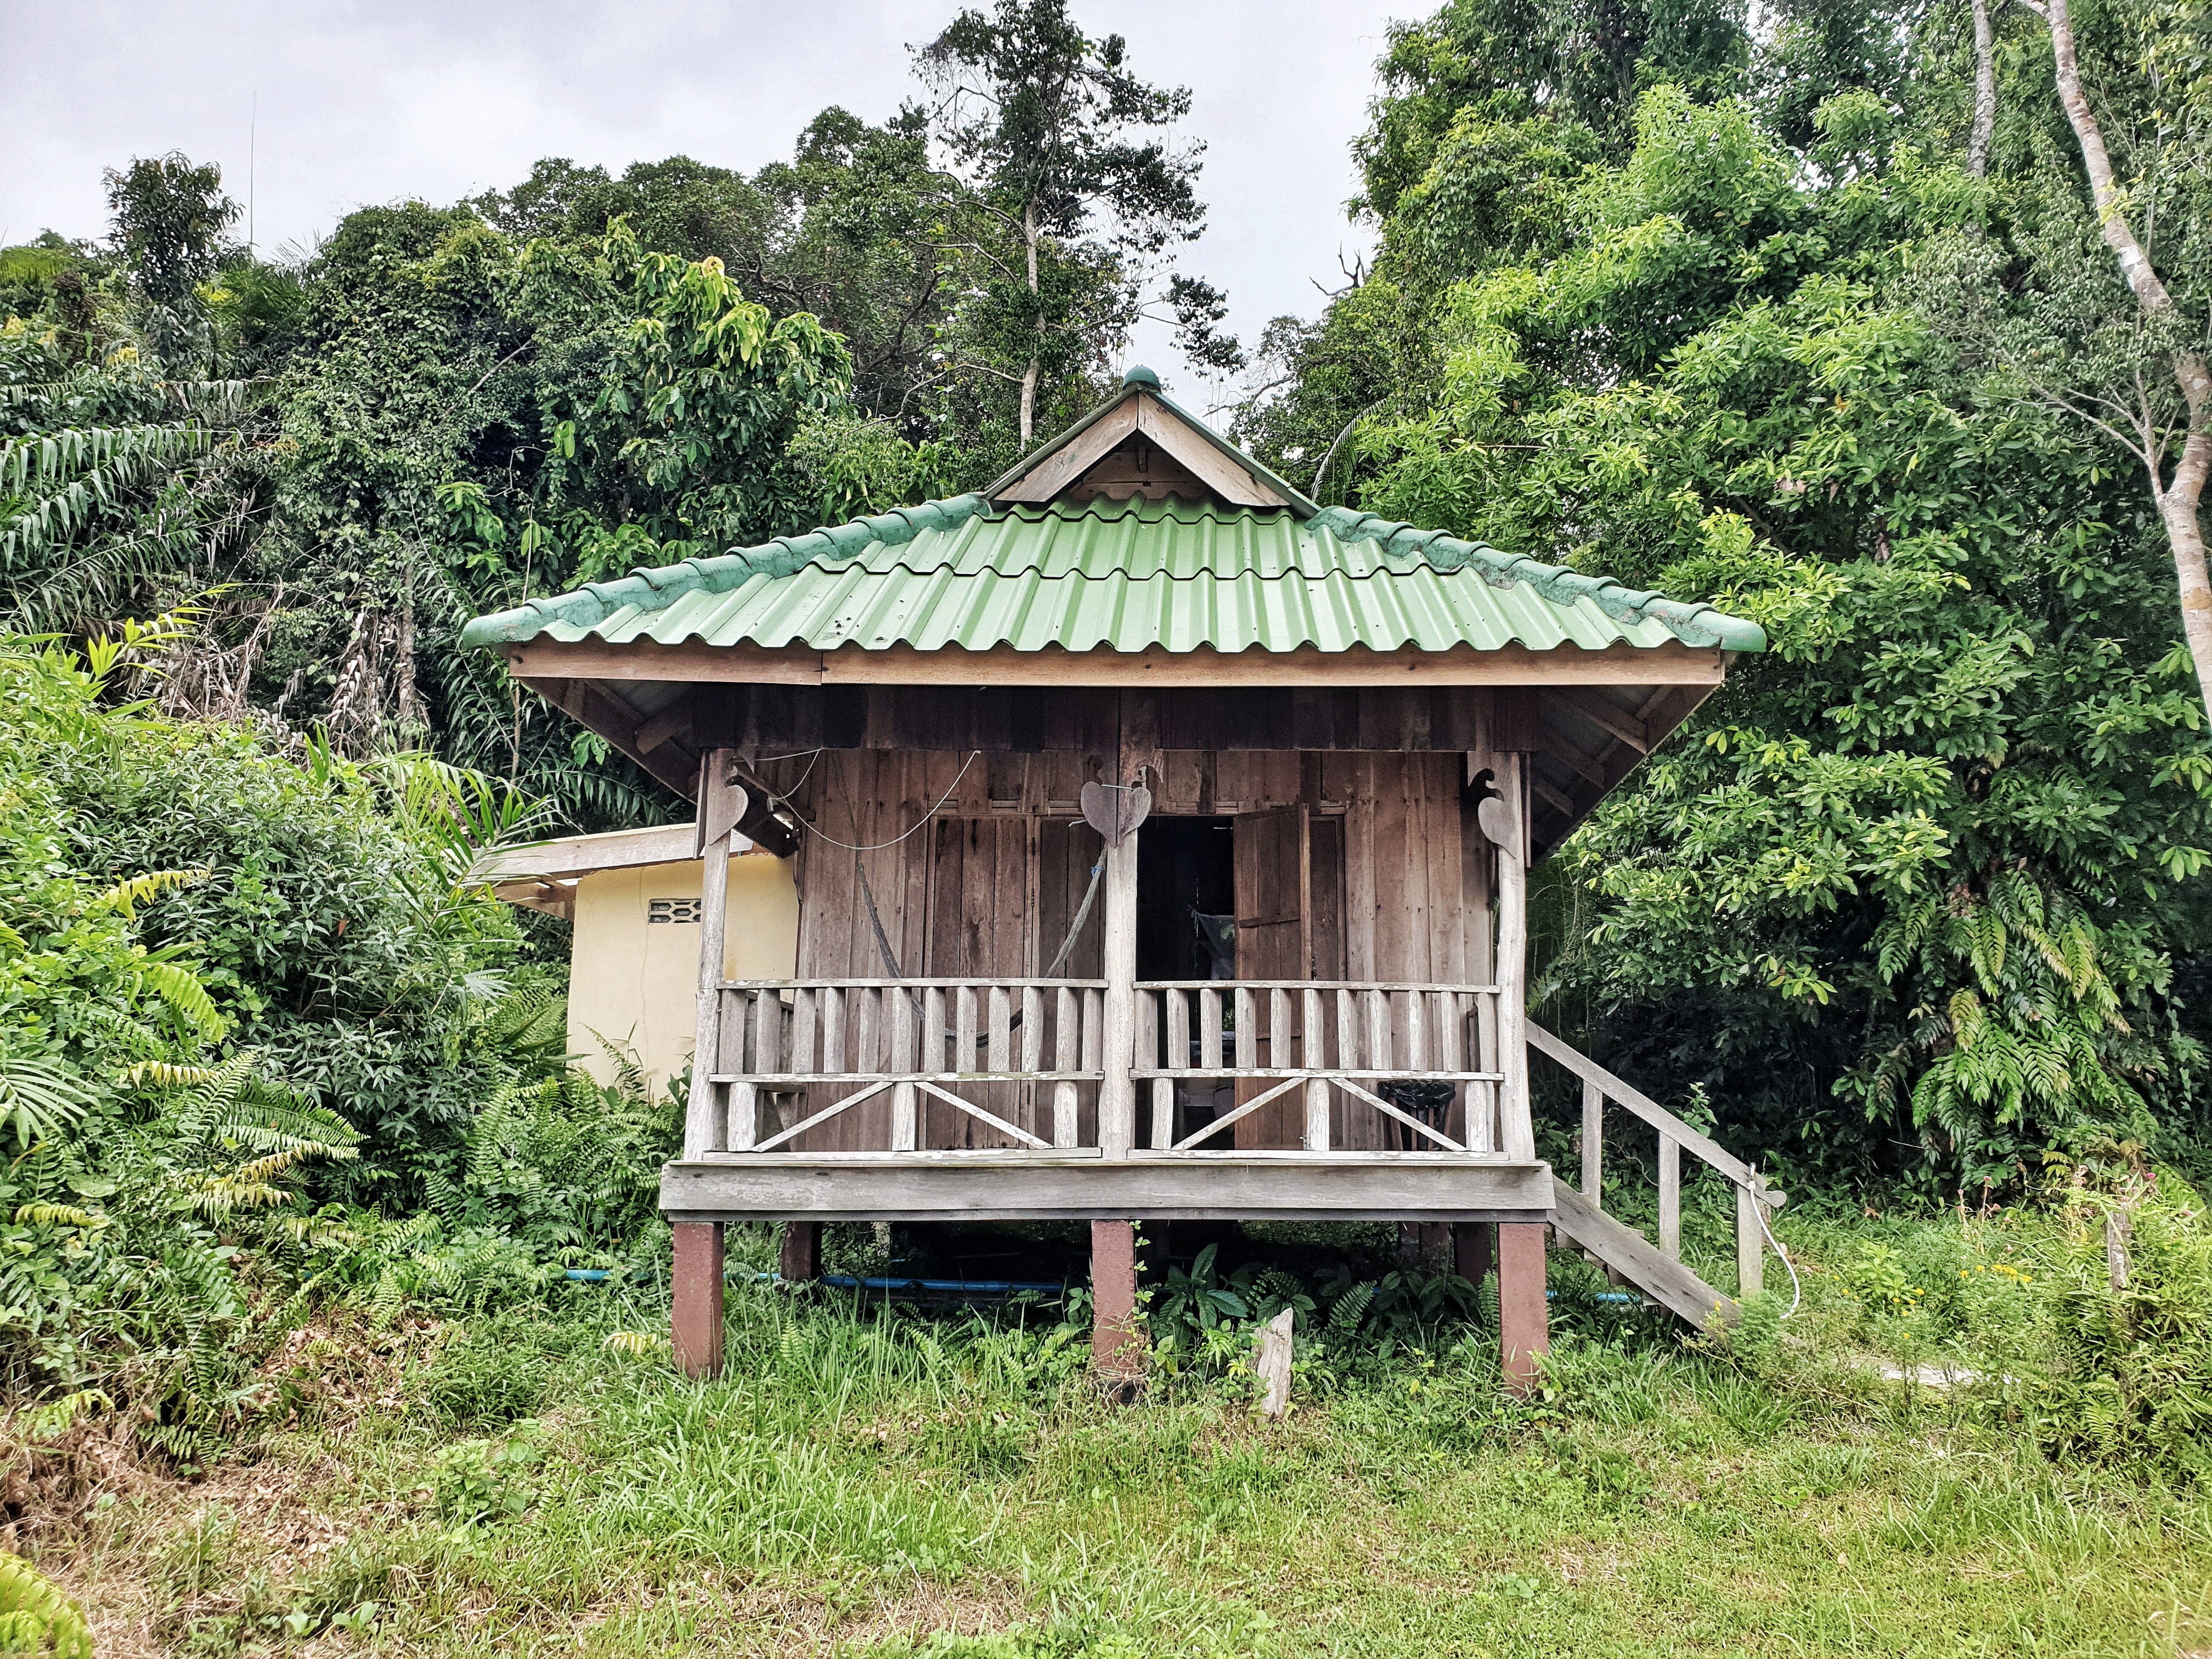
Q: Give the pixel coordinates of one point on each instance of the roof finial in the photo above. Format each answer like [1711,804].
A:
[1137,374]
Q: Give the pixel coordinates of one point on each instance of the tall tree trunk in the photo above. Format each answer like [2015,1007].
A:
[1037,319]
[1985,91]
[2178,498]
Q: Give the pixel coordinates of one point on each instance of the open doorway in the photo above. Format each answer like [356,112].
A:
[1186,929]
[1186,869]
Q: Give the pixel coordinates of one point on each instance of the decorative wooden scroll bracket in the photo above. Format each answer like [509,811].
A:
[722,801]
[1114,811]
[1496,816]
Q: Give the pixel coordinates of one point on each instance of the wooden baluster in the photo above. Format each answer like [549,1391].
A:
[1178,1059]
[1313,1053]
[1347,1030]
[833,1030]
[1248,1031]
[1593,1143]
[1449,1010]
[767,1033]
[1282,1050]
[933,1031]
[740,1043]
[805,1015]
[1032,1028]
[1209,1031]
[1417,1033]
[1670,1198]
[1486,1035]
[1001,1044]
[1068,1056]
[964,1030]
[1094,1031]
[1378,1033]
[1152,1046]
[1750,1246]
[867,1010]
[905,1131]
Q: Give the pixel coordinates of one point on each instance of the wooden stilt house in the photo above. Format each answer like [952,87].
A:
[1160,840]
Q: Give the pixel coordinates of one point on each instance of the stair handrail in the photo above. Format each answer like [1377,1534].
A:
[1754,1199]
[1654,1115]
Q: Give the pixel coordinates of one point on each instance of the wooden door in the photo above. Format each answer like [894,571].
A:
[1273,854]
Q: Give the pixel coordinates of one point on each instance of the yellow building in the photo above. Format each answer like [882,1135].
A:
[633,898]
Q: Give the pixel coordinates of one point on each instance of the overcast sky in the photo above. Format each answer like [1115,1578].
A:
[342,103]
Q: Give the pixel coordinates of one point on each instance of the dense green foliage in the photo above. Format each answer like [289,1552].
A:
[252,1017]
[1921,890]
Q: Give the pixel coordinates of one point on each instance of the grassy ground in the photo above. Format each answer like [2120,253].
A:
[862,1484]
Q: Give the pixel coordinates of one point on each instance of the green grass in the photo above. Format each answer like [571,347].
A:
[869,1484]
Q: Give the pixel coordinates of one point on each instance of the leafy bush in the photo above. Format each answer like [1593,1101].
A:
[215,960]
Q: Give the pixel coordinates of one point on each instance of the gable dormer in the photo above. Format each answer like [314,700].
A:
[1140,443]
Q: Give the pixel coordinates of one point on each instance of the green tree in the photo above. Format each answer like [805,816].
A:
[169,217]
[1930,874]
[1047,122]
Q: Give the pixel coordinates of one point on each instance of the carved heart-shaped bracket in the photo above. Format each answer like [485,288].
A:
[1115,812]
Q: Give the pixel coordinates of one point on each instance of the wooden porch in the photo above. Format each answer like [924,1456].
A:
[1146,1100]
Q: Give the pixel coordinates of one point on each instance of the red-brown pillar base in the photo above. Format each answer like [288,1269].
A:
[1472,1242]
[697,1316]
[802,1252]
[1522,1316]
[1117,1347]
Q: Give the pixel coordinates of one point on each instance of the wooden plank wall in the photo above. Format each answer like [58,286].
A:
[771,719]
[991,885]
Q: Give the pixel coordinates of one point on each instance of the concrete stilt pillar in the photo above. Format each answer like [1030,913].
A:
[696,1318]
[801,1259]
[1117,1352]
[1523,1316]
[1472,1247]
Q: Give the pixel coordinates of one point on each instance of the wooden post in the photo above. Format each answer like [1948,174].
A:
[1472,1242]
[1523,1317]
[1519,1134]
[1593,1143]
[801,1261]
[703,1131]
[2119,1233]
[696,1315]
[1117,1095]
[1117,1347]
[1750,1245]
[1670,1198]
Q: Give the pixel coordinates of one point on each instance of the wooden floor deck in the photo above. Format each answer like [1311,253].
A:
[1079,1183]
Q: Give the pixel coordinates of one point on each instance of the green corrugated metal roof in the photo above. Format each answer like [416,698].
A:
[1122,575]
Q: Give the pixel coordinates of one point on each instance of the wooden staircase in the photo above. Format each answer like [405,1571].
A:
[1656,1269]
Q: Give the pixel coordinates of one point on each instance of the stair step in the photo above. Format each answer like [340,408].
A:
[1621,1248]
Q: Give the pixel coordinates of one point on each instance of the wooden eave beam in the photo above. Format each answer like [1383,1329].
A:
[542,662]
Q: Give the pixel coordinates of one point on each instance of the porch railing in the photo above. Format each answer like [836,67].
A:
[1312,1040]
[787,1041]
[1366,1066]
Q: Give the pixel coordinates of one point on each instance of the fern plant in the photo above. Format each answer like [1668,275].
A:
[36,1617]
